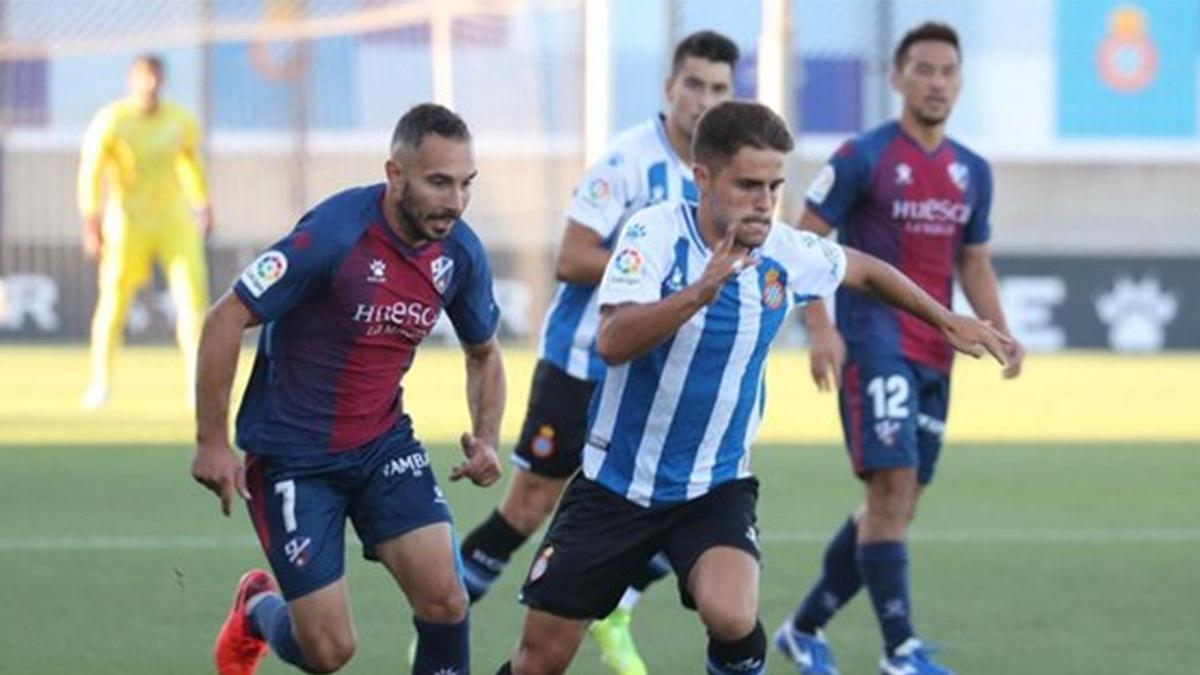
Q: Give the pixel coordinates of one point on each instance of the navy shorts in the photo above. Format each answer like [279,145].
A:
[893,414]
[299,505]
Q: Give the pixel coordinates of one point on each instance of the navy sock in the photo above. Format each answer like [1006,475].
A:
[271,621]
[745,656]
[442,647]
[884,567]
[486,551]
[839,581]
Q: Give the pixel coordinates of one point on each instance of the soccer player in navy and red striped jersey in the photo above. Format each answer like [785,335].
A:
[906,193]
[345,299]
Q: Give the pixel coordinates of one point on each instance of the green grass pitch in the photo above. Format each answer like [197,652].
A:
[1028,558]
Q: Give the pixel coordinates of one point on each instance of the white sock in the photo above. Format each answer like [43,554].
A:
[630,599]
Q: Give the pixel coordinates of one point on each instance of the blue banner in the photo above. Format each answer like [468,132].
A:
[1127,69]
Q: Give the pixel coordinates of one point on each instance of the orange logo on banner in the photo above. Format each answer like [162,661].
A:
[1127,59]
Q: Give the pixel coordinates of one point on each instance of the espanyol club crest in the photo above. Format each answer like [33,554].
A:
[772,293]
[542,445]
[442,269]
[959,174]
[539,565]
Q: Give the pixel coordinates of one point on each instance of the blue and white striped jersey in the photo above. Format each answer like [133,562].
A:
[639,169]
[679,421]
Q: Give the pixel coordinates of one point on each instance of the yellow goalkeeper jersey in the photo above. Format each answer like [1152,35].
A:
[150,163]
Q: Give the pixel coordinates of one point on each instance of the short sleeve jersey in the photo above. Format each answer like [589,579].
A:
[640,168]
[344,303]
[914,209]
[675,423]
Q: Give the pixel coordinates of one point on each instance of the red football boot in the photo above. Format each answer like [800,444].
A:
[237,651]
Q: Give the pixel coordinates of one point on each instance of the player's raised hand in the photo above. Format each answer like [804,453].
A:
[482,465]
[216,467]
[972,336]
[827,355]
[728,259]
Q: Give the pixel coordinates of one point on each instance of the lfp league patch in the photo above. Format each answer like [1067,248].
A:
[261,274]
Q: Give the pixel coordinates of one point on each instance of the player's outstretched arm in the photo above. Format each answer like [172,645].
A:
[966,334]
[485,400]
[214,465]
[630,330]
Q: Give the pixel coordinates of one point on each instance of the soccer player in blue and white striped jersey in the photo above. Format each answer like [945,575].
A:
[646,164]
[689,305]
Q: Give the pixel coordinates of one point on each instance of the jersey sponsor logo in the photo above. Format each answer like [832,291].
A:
[414,463]
[904,174]
[931,210]
[772,294]
[442,269]
[378,273]
[959,175]
[413,320]
[542,445]
[627,266]
[264,272]
[822,184]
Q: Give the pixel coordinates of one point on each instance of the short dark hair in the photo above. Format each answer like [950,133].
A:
[728,127]
[705,44]
[930,31]
[424,119]
[154,61]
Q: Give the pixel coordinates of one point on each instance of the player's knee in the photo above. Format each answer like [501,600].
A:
[329,654]
[448,604]
[540,659]
[727,616]
[729,623]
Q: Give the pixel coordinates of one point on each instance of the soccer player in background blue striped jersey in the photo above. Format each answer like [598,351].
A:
[909,195]
[644,165]
[689,304]
[345,299]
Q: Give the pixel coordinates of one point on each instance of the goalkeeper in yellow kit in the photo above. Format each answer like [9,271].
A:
[145,152]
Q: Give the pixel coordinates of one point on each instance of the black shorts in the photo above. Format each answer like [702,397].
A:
[555,423]
[599,542]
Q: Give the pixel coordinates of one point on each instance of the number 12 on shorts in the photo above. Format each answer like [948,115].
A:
[889,394]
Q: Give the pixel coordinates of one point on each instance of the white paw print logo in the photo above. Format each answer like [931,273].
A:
[1137,314]
[378,268]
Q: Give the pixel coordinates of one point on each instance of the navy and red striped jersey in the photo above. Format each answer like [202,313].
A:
[344,303]
[914,209]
